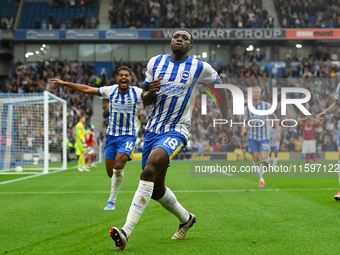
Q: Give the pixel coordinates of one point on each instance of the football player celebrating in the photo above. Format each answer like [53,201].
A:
[123,125]
[170,85]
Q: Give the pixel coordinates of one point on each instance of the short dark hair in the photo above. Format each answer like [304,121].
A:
[124,68]
[82,116]
[186,30]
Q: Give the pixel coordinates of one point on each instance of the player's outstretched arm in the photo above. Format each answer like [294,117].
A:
[79,87]
[149,91]
[332,108]
[225,114]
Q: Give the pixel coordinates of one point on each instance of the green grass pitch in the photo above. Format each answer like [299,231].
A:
[62,213]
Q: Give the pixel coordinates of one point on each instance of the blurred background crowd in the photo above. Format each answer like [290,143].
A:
[314,72]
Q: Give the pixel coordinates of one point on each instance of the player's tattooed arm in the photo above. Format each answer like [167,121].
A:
[150,91]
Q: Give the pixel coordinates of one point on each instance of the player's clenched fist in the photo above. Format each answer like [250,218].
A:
[155,86]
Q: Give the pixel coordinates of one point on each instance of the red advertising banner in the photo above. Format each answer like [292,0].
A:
[313,33]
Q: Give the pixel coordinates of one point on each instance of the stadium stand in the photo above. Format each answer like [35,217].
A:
[32,78]
[8,12]
[308,14]
[189,14]
[29,78]
[42,15]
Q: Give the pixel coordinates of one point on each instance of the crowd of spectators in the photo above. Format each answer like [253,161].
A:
[308,13]
[79,22]
[8,12]
[29,128]
[315,71]
[194,14]
[60,15]
[189,14]
[73,3]
[34,78]
[319,72]
[7,23]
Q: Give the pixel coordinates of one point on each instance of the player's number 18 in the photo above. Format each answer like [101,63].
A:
[171,142]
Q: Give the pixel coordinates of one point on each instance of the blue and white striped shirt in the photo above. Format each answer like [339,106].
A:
[259,128]
[273,140]
[337,93]
[172,105]
[124,110]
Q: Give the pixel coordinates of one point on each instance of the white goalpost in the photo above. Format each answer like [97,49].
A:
[33,133]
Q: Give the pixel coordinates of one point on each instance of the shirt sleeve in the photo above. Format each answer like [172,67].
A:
[337,93]
[209,75]
[269,105]
[149,70]
[106,91]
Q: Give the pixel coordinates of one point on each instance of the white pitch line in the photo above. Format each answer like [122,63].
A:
[227,174]
[175,191]
[32,176]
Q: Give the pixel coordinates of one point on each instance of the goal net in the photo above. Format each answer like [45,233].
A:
[33,133]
